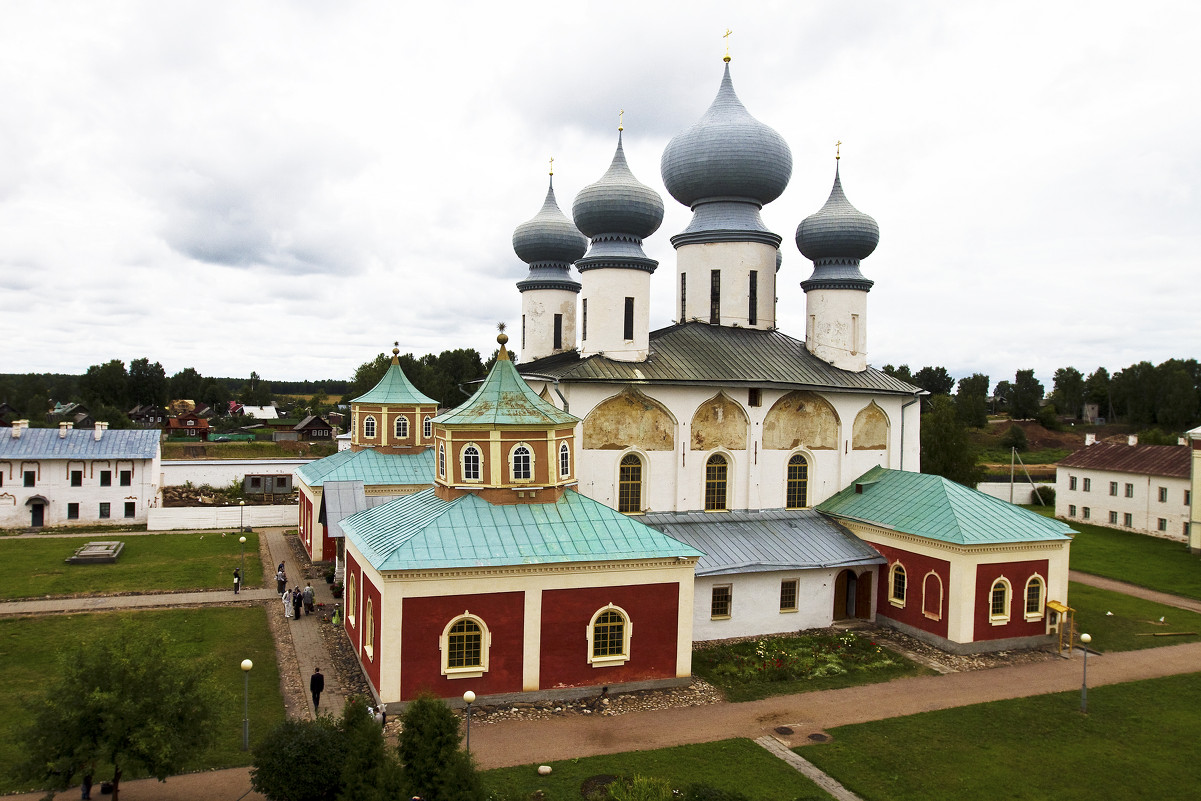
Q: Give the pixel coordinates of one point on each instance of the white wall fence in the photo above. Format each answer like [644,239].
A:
[1021,490]
[193,517]
[223,472]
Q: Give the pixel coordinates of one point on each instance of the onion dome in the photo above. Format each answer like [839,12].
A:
[726,167]
[617,213]
[549,243]
[835,239]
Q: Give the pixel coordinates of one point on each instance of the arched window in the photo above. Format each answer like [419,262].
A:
[609,634]
[522,461]
[896,585]
[442,460]
[369,427]
[1034,598]
[564,460]
[629,484]
[798,483]
[369,631]
[465,642]
[998,602]
[402,427]
[716,472]
[427,428]
[471,463]
[932,596]
[350,607]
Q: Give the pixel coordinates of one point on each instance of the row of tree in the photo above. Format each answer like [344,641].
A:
[444,378]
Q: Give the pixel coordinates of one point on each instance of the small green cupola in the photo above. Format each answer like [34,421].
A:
[505,444]
[393,417]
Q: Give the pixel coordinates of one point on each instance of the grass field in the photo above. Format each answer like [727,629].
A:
[1140,559]
[223,637]
[730,765]
[1138,741]
[1133,619]
[250,450]
[149,563]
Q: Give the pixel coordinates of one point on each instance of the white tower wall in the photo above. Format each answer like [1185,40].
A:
[735,261]
[836,327]
[538,310]
[603,309]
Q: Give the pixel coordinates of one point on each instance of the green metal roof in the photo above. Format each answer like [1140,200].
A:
[394,387]
[932,506]
[719,355]
[422,531]
[505,399]
[371,468]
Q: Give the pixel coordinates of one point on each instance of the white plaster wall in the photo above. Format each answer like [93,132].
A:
[755,609]
[200,517]
[675,480]
[830,331]
[223,472]
[735,260]
[538,310]
[54,484]
[606,291]
[1022,492]
[1144,507]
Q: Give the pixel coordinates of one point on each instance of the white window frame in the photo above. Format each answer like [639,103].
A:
[529,449]
[369,427]
[427,427]
[479,453]
[564,460]
[400,427]
[1000,619]
[442,460]
[470,671]
[611,660]
[941,594]
[351,600]
[1042,598]
[892,585]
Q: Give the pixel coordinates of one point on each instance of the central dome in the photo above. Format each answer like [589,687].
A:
[727,154]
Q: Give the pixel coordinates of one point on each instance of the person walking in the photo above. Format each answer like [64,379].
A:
[308,599]
[287,603]
[316,687]
[297,600]
[237,580]
[281,580]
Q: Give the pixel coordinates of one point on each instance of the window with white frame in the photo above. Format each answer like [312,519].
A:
[932,596]
[1071,482]
[521,462]
[629,484]
[1128,520]
[1129,490]
[442,460]
[1034,598]
[716,474]
[1113,518]
[1163,494]
[796,495]
[998,602]
[1088,485]
[471,462]
[564,460]
[1163,524]
[896,585]
[369,427]
[1071,510]
[1086,512]
[465,643]
[351,608]
[609,633]
[401,427]
[1113,488]
[427,427]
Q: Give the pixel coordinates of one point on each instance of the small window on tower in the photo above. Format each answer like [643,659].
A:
[754,397]
[683,297]
[752,316]
[584,321]
[715,297]
[558,332]
[628,330]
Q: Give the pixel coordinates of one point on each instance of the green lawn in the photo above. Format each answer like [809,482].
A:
[149,563]
[1140,559]
[747,671]
[730,765]
[221,636]
[1131,617]
[1138,741]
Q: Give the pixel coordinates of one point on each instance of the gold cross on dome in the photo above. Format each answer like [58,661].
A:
[726,36]
[621,115]
[838,150]
[552,165]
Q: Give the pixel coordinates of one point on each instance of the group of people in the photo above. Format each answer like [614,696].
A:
[296,598]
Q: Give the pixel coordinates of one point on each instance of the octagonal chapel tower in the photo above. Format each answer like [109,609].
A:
[392,417]
[726,168]
[835,239]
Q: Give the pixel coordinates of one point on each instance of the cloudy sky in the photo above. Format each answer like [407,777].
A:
[289,187]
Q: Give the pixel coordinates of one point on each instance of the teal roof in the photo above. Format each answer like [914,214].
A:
[932,506]
[505,399]
[422,531]
[371,468]
[394,387]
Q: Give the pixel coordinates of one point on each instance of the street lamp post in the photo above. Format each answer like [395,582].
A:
[1085,639]
[242,542]
[246,666]
[469,699]
[241,515]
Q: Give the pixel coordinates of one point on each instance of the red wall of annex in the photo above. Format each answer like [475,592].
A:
[916,567]
[421,630]
[370,593]
[654,616]
[1016,573]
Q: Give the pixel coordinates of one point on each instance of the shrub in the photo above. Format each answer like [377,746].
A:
[432,763]
[1015,437]
[1048,496]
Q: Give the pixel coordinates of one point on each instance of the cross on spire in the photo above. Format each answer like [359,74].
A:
[621,115]
[838,150]
[552,165]
[726,36]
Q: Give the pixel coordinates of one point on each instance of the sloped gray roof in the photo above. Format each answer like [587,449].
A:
[764,540]
[720,355]
[45,443]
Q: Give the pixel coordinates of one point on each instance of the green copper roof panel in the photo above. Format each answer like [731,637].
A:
[371,468]
[422,531]
[505,399]
[394,387]
[932,506]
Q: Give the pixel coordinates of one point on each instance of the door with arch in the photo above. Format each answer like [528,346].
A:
[852,595]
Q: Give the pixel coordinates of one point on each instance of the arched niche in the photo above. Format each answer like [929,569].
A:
[629,420]
[719,423]
[801,419]
[870,430]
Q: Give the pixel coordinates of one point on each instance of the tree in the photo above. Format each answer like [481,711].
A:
[1026,395]
[370,771]
[433,764]
[1176,396]
[901,372]
[1014,438]
[216,394]
[300,760]
[1069,390]
[105,384]
[256,392]
[935,380]
[946,450]
[147,382]
[187,384]
[126,700]
[1002,396]
[1096,390]
[971,400]
[368,374]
